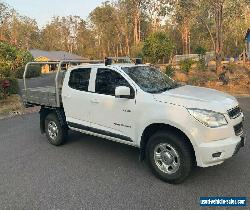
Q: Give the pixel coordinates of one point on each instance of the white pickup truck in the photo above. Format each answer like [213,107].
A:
[176,127]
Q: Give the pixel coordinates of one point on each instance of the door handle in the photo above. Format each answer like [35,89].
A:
[95,101]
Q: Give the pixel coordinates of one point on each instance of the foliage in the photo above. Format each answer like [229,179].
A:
[13,89]
[4,69]
[231,67]
[183,13]
[195,80]
[7,56]
[201,64]
[136,51]
[22,58]
[157,46]
[12,60]
[170,70]
[200,79]
[186,64]
[33,71]
[16,29]
[201,51]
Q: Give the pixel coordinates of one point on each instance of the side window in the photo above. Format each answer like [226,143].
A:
[107,80]
[79,79]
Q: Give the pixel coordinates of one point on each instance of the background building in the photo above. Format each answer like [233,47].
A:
[45,56]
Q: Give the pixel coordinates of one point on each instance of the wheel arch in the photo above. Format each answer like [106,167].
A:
[45,111]
[152,128]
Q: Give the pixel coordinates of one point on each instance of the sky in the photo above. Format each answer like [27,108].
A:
[43,10]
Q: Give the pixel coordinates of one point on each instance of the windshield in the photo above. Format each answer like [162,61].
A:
[150,79]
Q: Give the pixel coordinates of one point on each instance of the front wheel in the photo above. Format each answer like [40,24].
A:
[170,157]
[55,132]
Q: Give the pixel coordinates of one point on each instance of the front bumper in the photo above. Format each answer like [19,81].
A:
[216,152]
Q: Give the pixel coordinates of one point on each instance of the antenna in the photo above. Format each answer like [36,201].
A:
[111,60]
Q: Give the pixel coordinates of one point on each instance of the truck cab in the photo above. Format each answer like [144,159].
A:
[176,127]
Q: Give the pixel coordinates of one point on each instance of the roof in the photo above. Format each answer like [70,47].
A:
[55,55]
[247,34]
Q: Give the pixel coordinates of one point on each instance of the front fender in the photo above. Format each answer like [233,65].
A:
[172,115]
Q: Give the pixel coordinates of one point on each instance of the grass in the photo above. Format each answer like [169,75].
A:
[11,104]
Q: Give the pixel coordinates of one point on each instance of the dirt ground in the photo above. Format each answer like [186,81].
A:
[238,76]
[12,106]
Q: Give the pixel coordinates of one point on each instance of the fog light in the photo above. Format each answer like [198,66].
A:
[215,155]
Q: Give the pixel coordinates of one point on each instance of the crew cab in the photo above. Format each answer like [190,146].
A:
[176,127]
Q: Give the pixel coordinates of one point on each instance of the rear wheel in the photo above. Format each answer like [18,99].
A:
[55,132]
[170,156]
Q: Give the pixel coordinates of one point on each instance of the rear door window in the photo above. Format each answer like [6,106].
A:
[79,79]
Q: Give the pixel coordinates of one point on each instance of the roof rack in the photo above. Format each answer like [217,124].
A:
[107,61]
[59,69]
[110,60]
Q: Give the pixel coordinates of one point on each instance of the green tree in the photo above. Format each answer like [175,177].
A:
[12,59]
[186,65]
[218,16]
[104,22]
[182,13]
[158,46]
[85,40]
[201,51]
[16,29]
[55,35]
[120,27]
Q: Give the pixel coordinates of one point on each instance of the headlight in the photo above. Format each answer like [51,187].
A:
[208,118]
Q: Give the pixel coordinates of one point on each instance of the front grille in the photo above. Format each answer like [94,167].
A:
[234,113]
[238,129]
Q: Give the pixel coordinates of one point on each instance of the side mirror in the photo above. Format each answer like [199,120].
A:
[122,92]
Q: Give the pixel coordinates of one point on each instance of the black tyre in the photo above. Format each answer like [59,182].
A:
[170,156]
[55,132]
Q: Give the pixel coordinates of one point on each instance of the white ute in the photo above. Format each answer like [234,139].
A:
[175,126]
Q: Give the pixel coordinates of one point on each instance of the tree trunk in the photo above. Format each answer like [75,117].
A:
[210,33]
[185,39]
[122,31]
[1,33]
[244,56]
[137,24]
[127,45]
[189,43]
[139,27]
[218,43]
[135,29]
[100,48]
[121,50]
[117,51]
[108,48]
[120,41]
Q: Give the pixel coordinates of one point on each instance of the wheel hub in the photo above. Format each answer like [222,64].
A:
[52,130]
[166,158]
